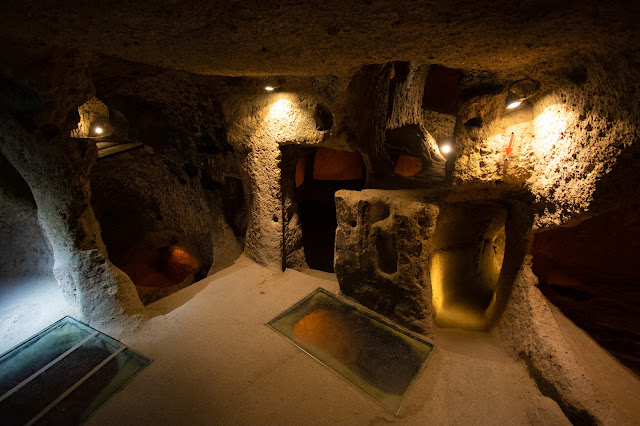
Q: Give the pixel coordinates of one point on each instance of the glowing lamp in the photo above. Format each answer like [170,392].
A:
[445,149]
[512,101]
[98,130]
[269,88]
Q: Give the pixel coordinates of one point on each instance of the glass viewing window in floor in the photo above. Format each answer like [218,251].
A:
[375,355]
[63,374]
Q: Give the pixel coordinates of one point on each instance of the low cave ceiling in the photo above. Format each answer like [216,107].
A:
[253,37]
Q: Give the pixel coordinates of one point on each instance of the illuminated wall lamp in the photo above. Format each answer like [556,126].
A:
[519,91]
[269,88]
[513,100]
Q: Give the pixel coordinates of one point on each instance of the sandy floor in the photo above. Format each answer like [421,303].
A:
[215,362]
[26,307]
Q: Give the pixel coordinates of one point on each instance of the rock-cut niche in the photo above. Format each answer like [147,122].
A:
[469,245]
[319,174]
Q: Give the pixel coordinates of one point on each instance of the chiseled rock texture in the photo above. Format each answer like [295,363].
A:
[25,251]
[387,120]
[135,215]
[575,146]
[57,171]
[383,242]
[302,38]
[260,123]
[35,139]
[529,331]
[183,187]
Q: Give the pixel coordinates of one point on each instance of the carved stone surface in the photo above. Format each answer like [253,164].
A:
[383,243]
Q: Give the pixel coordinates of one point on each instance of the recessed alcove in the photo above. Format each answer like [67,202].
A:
[469,248]
[319,174]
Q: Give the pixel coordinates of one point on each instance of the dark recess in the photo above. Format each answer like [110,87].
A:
[317,212]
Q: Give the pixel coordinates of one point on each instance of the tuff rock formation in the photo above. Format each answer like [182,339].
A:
[343,164]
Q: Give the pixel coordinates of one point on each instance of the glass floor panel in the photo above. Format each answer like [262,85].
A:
[375,355]
[63,374]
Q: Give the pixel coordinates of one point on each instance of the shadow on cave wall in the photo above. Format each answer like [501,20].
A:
[319,173]
[24,250]
[590,272]
[174,211]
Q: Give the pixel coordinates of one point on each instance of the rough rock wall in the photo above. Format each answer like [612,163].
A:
[260,123]
[386,121]
[383,245]
[592,267]
[304,38]
[24,250]
[56,168]
[179,119]
[529,331]
[574,142]
[57,171]
[135,215]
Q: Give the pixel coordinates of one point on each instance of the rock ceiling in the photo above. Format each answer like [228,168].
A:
[254,37]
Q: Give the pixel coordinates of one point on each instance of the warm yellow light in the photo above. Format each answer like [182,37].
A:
[514,104]
[98,130]
[445,149]
[269,88]
[437,275]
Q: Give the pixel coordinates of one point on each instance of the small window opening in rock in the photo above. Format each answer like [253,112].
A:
[441,90]
[409,139]
[378,211]
[329,171]
[323,118]
[408,165]
[401,71]
[474,122]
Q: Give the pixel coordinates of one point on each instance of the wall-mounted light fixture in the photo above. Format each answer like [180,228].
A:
[512,101]
[100,129]
[269,88]
[445,148]
[519,91]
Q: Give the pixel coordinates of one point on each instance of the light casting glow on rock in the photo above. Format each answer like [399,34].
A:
[269,88]
[513,100]
[514,104]
[445,149]
[98,130]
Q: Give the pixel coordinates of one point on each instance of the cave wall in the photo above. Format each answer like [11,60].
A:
[589,272]
[260,124]
[180,121]
[35,139]
[24,250]
[574,142]
[576,146]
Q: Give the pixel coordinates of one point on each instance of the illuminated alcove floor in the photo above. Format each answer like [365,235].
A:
[216,362]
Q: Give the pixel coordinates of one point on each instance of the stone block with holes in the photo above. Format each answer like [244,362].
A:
[383,242]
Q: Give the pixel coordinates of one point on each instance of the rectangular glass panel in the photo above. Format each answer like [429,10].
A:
[91,394]
[376,356]
[32,355]
[22,361]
